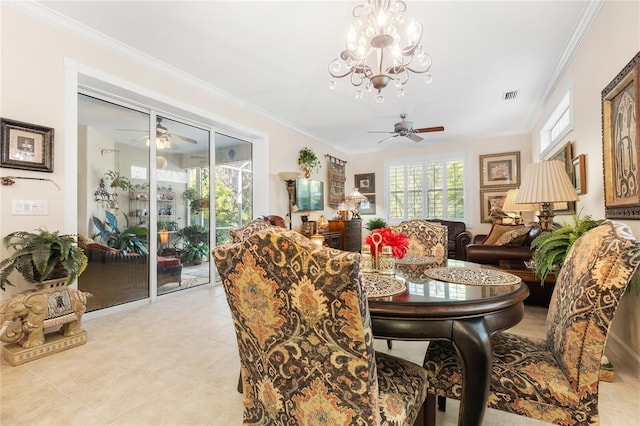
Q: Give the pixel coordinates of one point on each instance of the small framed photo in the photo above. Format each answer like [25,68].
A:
[500,169]
[621,143]
[26,146]
[491,201]
[580,174]
[369,206]
[366,183]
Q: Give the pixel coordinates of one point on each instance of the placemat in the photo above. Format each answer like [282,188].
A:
[473,276]
[416,260]
[377,285]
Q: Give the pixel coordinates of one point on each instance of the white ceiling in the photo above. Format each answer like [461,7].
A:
[273,55]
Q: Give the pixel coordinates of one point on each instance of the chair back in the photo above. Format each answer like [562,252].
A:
[426,239]
[242,233]
[588,288]
[303,330]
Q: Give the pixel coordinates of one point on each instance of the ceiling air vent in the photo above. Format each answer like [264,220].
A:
[507,96]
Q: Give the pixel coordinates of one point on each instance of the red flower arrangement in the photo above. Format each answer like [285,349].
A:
[398,242]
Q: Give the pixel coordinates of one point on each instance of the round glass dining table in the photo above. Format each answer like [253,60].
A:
[466,314]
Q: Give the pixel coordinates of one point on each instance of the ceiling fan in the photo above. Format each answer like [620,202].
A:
[405,128]
[164,139]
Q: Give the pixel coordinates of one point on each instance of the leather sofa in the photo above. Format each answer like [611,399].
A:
[491,254]
[458,238]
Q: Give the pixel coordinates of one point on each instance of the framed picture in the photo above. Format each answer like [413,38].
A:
[620,150]
[366,183]
[491,200]
[26,146]
[500,169]
[565,156]
[580,174]
[369,206]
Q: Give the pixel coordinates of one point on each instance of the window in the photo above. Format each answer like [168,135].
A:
[558,125]
[426,187]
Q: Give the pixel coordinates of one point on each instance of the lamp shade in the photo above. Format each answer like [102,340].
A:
[288,175]
[510,204]
[546,182]
[355,196]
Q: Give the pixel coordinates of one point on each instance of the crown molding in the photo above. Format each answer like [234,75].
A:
[49,16]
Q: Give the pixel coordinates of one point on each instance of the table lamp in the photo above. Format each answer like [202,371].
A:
[354,199]
[290,179]
[546,182]
[510,205]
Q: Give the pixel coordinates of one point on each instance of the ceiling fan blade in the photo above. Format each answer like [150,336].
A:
[415,137]
[386,139]
[375,131]
[184,138]
[429,129]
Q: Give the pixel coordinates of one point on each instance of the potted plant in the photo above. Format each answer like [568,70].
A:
[194,252]
[551,248]
[194,233]
[42,255]
[118,181]
[131,239]
[308,161]
[376,223]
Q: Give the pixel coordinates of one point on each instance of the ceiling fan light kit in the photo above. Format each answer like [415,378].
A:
[405,129]
[381,46]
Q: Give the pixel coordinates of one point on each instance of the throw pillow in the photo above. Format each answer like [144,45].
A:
[514,237]
[497,230]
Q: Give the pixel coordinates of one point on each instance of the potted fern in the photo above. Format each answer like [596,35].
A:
[551,248]
[42,255]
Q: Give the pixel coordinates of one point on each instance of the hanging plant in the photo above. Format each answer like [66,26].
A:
[118,181]
[308,161]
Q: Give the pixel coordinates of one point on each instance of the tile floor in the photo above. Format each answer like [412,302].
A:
[175,363]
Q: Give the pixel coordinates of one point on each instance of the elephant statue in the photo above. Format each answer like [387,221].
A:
[24,317]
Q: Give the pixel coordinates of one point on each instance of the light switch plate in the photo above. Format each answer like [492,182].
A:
[30,208]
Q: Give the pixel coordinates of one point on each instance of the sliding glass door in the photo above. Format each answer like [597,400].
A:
[134,213]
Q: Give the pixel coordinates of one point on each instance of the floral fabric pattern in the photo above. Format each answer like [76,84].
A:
[304,337]
[240,234]
[556,380]
[426,239]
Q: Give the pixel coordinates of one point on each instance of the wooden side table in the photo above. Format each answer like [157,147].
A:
[539,294]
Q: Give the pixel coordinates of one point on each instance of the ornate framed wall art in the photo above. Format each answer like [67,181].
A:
[620,150]
[26,146]
[491,200]
[500,170]
[366,183]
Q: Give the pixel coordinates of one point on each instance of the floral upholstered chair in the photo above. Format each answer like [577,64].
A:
[304,337]
[555,380]
[242,233]
[427,247]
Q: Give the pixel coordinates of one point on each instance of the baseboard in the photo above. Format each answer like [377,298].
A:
[623,358]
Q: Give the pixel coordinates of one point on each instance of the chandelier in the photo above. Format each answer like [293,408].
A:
[381,47]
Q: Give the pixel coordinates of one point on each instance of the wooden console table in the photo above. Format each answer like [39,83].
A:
[539,294]
[351,232]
